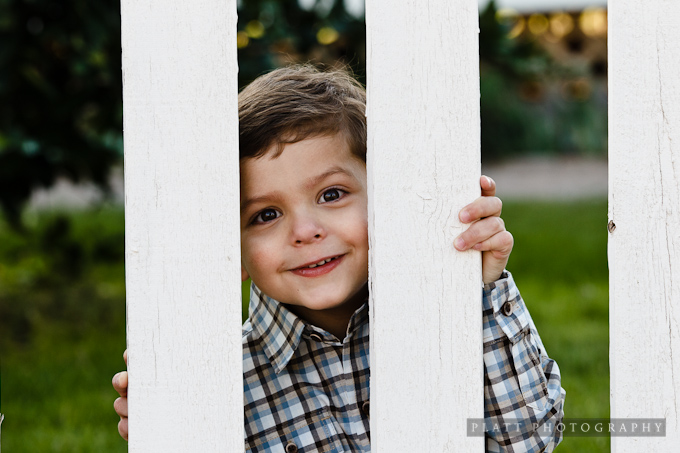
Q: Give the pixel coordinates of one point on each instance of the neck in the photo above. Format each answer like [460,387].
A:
[334,320]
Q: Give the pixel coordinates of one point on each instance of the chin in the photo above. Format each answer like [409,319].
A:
[323,302]
[317,303]
[326,304]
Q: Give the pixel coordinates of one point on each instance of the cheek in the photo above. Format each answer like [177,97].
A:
[362,244]
[361,226]
[356,231]
[362,236]
[257,259]
[364,249]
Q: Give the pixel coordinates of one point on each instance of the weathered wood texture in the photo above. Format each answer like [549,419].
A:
[182,225]
[644,215]
[423,167]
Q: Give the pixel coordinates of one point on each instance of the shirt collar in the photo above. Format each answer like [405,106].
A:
[281,330]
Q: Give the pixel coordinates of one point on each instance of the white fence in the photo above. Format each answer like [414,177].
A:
[423,167]
[644,214]
[182,222]
[182,225]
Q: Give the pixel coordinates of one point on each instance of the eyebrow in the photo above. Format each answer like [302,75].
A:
[309,184]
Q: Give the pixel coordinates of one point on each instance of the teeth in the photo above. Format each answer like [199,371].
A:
[320,263]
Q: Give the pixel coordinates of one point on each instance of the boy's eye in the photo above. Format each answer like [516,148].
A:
[330,195]
[266,215]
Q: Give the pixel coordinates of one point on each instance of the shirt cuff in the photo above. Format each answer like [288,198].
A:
[504,311]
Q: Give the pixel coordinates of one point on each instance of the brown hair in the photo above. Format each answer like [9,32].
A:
[293,103]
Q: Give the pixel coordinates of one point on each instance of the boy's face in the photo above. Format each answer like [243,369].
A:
[306,207]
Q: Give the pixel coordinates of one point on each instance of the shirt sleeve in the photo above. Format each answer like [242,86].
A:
[523,396]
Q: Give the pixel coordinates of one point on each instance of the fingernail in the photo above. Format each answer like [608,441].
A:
[459,244]
[464,216]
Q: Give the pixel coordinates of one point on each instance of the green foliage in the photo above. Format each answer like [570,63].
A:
[525,100]
[513,125]
[517,59]
[57,263]
[289,35]
[61,91]
[62,86]
[62,109]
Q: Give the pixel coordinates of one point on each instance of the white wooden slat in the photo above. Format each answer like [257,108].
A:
[644,215]
[182,225]
[423,167]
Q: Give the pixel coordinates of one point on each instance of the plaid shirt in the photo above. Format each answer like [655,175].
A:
[306,391]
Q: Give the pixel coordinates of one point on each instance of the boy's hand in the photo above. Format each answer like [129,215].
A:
[120,383]
[487,232]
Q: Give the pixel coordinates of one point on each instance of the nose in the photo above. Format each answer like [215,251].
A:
[306,229]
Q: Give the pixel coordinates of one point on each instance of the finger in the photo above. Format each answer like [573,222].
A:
[125,357]
[123,428]
[488,186]
[479,232]
[495,259]
[120,383]
[121,406]
[480,208]
[499,245]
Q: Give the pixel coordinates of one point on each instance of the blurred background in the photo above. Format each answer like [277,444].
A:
[62,288]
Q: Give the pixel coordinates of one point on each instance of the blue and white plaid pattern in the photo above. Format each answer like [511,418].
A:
[306,391]
[521,383]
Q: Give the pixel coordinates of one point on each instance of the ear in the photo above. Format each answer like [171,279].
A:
[244,274]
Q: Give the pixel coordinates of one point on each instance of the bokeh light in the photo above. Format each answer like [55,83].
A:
[511,19]
[255,29]
[327,35]
[242,39]
[593,22]
[577,90]
[561,24]
[538,24]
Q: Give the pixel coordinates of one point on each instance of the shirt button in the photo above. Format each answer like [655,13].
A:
[365,408]
[315,337]
[507,308]
[291,447]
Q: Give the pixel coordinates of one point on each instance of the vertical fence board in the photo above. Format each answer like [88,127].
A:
[644,214]
[423,166]
[182,225]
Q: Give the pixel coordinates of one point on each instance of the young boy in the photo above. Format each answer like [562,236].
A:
[304,244]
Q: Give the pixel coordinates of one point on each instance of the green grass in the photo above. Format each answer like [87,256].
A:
[62,319]
[560,265]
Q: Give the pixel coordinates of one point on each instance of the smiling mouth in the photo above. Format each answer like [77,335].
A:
[320,263]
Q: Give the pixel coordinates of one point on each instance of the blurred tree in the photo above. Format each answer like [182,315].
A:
[61,91]
[517,58]
[509,125]
[61,113]
[277,32]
